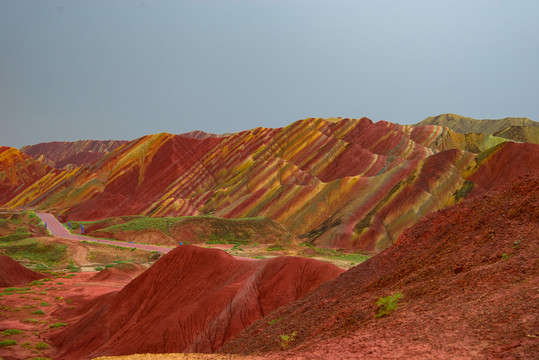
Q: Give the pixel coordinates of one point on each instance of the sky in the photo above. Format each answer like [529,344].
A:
[101,69]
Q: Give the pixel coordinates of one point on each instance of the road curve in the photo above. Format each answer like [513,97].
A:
[57,229]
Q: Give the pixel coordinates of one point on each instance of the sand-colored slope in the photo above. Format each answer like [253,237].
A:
[192,300]
[520,133]
[462,124]
[469,278]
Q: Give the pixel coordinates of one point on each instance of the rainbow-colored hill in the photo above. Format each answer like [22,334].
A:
[347,183]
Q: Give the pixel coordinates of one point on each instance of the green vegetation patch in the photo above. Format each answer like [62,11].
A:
[338,254]
[8,332]
[8,342]
[276,247]
[72,268]
[103,223]
[4,223]
[286,339]
[34,250]
[274,321]
[386,305]
[57,325]
[145,223]
[41,346]
[237,247]
[464,190]
[16,236]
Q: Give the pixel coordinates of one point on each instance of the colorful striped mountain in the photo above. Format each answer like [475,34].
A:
[345,183]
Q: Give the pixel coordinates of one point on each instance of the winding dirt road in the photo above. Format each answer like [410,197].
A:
[57,229]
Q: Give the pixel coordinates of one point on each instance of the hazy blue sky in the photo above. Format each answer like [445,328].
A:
[118,69]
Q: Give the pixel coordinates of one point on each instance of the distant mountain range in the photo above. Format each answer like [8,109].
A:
[347,183]
[60,154]
[517,129]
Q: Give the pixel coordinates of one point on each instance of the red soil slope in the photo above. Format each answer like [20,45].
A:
[469,277]
[193,299]
[504,164]
[62,153]
[12,273]
[118,273]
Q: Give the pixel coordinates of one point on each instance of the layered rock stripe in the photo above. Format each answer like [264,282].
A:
[347,183]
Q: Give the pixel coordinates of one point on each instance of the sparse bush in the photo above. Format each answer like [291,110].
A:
[275,247]
[237,247]
[72,268]
[275,321]
[8,332]
[506,256]
[57,325]
[387,304]
[44,303]
[41,346]
[287,339]
[38,312]
[8,342]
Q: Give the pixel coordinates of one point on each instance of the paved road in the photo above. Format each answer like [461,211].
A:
[57,229]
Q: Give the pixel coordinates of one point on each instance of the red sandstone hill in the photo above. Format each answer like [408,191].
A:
[12,273]
[191,300]
[62,153]
[18,171]
[469,277]
[345,183]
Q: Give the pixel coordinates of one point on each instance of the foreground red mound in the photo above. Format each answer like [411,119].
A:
[118,273]
[12,273]
[469,279]
[192,300]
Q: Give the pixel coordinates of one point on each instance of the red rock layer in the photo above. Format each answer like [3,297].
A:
[12,273]
[192,300]
[466,273]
